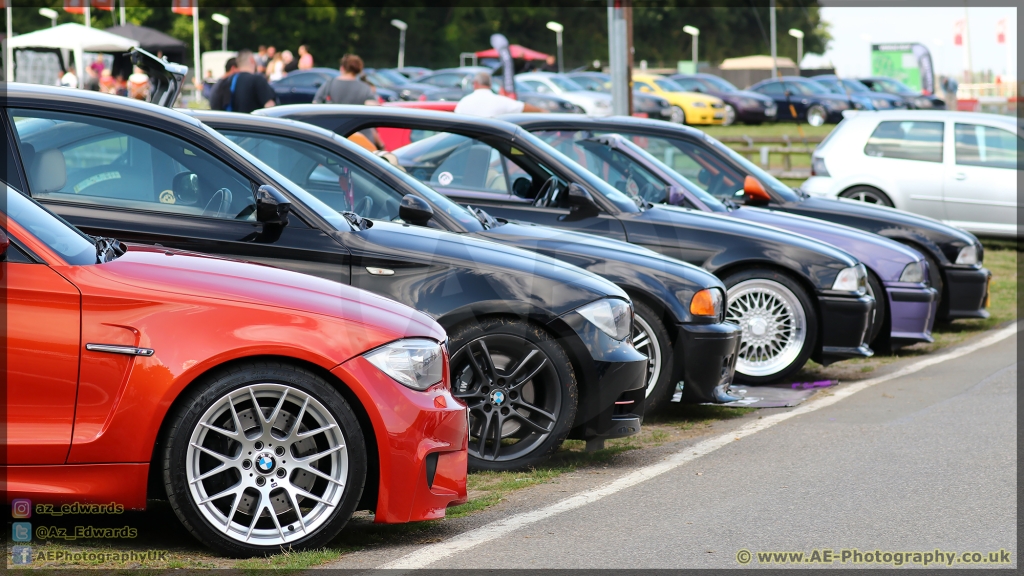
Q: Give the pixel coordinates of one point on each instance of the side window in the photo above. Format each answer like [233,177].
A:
[642,86]
[89,160]
[690,85]
[332,178]
[445,80]
[985,146]
[906,140]
[772,88]
[538,87]
[473,165]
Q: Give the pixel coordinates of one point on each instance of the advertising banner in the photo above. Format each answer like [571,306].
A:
[500,43]
[909,63]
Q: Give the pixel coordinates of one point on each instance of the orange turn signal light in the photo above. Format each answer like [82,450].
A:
[707,302]
[440,402]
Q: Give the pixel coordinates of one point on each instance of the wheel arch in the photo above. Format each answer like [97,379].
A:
[155,486]
[871,184]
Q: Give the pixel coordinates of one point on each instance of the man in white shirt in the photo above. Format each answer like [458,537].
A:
[483,102]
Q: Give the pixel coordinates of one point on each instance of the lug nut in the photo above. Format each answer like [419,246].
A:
[281,472]
[279,451]
[246,464]
[260,481]
[258,445]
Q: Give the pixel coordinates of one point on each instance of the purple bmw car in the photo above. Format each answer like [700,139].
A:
[907,313]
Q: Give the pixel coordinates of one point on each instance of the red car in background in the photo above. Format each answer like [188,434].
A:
[267,405]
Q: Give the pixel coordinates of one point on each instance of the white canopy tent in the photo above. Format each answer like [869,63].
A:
[72,37]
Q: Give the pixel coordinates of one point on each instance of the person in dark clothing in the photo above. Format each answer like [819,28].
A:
[243,91]
[219,93]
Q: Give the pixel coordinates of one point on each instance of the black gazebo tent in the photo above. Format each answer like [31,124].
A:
[152,41]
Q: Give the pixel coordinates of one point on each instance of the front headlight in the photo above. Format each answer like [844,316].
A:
[612,316]
[852,279]
[922,103]
[707,302]
[914,272]
[968,255]
[700,105]
[880,103]
[415,362]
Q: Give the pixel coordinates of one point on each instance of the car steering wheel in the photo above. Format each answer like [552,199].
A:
[222,198]
[548,194]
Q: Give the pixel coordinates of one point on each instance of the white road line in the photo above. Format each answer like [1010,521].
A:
[434,552]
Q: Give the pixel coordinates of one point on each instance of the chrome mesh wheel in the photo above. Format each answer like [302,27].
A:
[267,464]
[816,115]
[646,342]
[774,326]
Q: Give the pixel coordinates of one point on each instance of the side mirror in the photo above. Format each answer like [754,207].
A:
[581,204]
[676,196]
[415,210]
[755,192]
[4,243]
[521,187]
[185,186]
[271,206]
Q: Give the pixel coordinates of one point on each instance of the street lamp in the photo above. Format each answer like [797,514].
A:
[51,14]
[799,35]
[402,27]
[223,21]
[557,29]
[694,33]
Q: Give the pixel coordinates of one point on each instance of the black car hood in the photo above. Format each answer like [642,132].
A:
[888,222]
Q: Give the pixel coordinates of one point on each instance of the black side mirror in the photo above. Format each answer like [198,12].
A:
[581,204]
[521,187]
[272,207]
[185,186]
[415,210]
[4,243]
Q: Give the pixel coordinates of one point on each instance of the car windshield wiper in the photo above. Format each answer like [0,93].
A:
[485,219]
[107,249]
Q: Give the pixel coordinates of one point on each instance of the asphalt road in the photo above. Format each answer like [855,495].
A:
[921,462]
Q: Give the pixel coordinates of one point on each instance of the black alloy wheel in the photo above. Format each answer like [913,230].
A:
[520,390]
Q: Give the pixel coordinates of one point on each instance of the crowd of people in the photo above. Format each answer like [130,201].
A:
[101,78]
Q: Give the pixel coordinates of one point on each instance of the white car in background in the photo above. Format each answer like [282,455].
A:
[958,167]
[593,103]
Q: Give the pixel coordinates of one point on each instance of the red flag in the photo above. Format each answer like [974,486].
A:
[183,7]
[1001,31]
[75,6]
[958,33]
[103,5]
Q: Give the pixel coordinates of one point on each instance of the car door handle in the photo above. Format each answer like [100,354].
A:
[961,176]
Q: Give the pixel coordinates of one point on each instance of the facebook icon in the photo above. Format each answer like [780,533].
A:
[21,554]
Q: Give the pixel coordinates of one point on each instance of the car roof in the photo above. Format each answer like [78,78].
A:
[938,115]
[393,114]
[462,70]
[243,120]
[581,122]
[15,91]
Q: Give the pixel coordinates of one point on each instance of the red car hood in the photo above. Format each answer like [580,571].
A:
[164,270]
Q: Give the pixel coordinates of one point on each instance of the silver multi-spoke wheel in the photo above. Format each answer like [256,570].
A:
[774,326]
[866,194]
[646,342]
[266,464]
[730,115]
[816,115]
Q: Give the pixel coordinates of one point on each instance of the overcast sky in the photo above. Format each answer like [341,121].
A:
[855,29]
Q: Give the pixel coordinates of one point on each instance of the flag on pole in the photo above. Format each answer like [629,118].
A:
[958,33]
[107,5]
[75,6]
[1001,31]
[183,7]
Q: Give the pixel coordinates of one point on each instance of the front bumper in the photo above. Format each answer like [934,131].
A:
[844,327]
[420,439]
[966,293]
[912,311]
[704,115]
[608,371]
[708,353]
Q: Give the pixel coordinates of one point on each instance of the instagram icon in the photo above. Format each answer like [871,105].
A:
[21,508]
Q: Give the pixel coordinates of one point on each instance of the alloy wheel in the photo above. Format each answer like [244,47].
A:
[511,388]
[730,116]
[677,115]
[867,195]
[816,115]
[646,342]
[774,326]
[267,464]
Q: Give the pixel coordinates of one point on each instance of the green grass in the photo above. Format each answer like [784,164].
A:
[778,130]
[289,561]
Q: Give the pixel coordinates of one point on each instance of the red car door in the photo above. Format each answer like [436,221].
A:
[42,344]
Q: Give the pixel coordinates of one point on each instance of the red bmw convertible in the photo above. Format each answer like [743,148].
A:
[265,405]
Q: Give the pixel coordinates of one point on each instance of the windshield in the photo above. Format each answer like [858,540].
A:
[389,78]
[308,200]
[767,179]
[713,203]
[565,84]
[891,85]
[594,83]
[807,87]
[855,85]
[831,85]
[719,83]
[74,247]
[668,85]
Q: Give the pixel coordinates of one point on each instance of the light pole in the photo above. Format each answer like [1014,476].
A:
[694,34]
[402,27]
[223,21]
[557,29]
[51,14]
[799,35]
[775,61]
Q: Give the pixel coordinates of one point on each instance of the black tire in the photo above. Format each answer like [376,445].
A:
[225,386]
[878,337]
[538,397]
[651,338]
[868,194]
[748,367]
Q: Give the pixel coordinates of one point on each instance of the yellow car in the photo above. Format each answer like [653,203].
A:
[697,108]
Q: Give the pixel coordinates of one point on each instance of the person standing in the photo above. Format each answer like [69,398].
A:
[246,90]
[290,64]
[275,68]
[218,93]
[482,101]
[261,59]
[347,88]
[305,58]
